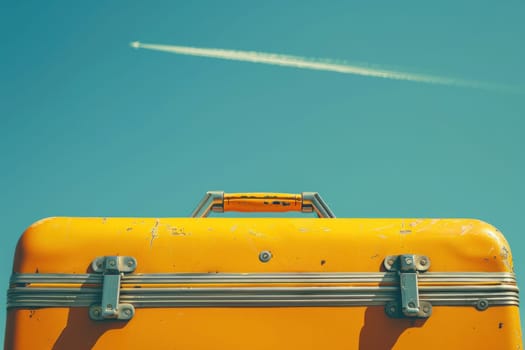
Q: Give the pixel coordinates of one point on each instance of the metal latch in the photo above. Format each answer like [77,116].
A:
[112,267]
[408,267]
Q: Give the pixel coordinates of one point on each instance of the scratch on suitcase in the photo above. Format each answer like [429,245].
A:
[415,223]
[404,230]
[234,227]
[154,232]
[255,233]
[177,231]
[505,256]
[465,229]
[504,253]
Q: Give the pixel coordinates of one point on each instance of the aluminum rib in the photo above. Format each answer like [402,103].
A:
[262,296]
[273,278]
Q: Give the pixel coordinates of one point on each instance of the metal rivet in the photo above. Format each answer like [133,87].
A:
[426,309]
[411,304]
[127,312]
[423,262]
[112,263]
[393,309]
[95,312]
[408,261]
[390,261]
[482,304]
[109,306]
[265,256]
[130,263]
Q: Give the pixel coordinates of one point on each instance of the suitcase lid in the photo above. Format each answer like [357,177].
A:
[236,245]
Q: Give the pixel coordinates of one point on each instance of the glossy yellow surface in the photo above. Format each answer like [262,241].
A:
[68,245]
[267,328]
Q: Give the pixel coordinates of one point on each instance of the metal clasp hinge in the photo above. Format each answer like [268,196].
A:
[112,268]
[408,267]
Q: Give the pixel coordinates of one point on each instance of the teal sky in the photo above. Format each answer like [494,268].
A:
[91,127]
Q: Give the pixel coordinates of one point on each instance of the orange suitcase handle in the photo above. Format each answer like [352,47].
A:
[262,202]
[306,202]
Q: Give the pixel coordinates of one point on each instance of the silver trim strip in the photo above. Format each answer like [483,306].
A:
[273,278]
[496,288]
[177,297]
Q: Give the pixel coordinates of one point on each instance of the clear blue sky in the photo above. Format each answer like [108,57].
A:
[91,127]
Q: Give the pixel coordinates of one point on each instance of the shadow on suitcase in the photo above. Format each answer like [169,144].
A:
[380,332]
[81,332]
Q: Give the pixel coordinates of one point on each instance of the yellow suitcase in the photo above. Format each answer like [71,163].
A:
[262,283]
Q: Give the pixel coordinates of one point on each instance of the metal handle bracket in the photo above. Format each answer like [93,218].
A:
[112,268]
[408,267]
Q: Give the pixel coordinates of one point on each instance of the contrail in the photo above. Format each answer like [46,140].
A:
[324,65]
